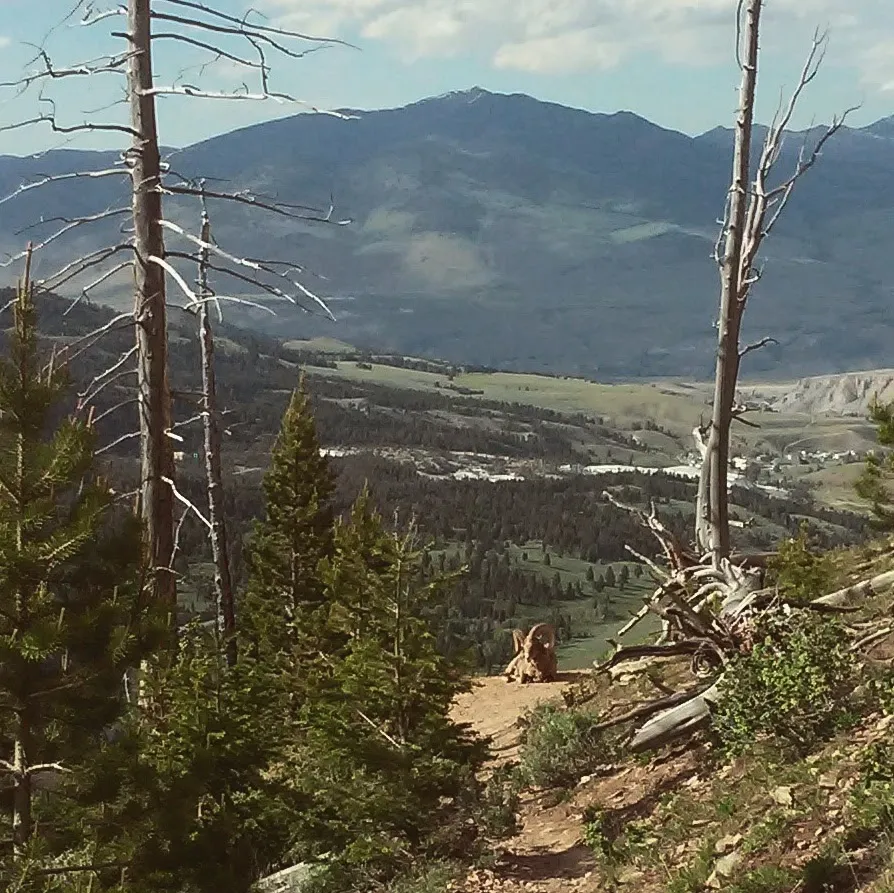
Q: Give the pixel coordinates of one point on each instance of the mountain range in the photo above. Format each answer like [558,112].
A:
[504,231]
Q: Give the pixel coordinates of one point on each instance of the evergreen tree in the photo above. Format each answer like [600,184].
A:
[388,767]
[210,806]
[283,609]
[610,580]
[71,620]
[873,484]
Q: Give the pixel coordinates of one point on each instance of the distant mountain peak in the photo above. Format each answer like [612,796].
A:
[884,128]
[472,94]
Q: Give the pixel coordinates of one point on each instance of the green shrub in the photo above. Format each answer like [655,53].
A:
[872,798]
[611,842]
[800,574]
[560,746]
[880,688]
[597,834]
[499,805]
[794,686]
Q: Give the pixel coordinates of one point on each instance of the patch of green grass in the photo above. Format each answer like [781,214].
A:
[764,832]
[766,879]
[692,877]
[433,878]
[321,344]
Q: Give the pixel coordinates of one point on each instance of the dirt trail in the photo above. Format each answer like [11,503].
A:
[547,855]
[494,706]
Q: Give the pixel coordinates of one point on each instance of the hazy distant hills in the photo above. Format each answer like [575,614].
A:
[506,231]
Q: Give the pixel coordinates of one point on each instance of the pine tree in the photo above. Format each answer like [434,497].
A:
[209,807]
[391,765]
[71,622]
[873,485]
[282,611]
[224,791]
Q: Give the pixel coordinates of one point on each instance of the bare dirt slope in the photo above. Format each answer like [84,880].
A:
[494,706]
[547,854]
[848,393]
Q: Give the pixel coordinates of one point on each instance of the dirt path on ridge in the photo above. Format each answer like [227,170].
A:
[547,855]
[494,706]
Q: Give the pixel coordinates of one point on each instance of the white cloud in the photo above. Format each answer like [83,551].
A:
[557,36]
[560,53]
[4,41]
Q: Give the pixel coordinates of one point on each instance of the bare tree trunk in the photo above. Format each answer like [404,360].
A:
[21,796]
[150,312]
[223,585]
[702,517]
[732,298]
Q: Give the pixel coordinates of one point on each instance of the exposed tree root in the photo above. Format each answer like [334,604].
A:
[710,613]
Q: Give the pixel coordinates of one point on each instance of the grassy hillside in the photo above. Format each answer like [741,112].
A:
[787,810]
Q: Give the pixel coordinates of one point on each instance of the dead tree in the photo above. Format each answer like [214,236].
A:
[156,498]
[708,605]
[203,29]
[752,210]
[708,615]
[223,584]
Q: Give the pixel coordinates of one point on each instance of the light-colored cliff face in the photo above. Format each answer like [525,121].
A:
[849,393]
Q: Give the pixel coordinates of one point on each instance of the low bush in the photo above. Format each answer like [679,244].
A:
[794,686]
[560,746]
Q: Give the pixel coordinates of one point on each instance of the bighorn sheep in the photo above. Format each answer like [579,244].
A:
[535,655]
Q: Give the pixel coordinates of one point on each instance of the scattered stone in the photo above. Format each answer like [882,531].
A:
[782,795]
[725,844]
[289,880]
[629,875]
[727,864]
[724,868]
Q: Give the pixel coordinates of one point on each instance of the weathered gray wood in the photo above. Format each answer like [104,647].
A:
[223,585]
[156,501]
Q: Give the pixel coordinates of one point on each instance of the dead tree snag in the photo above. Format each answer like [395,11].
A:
[156,498]
[752,209]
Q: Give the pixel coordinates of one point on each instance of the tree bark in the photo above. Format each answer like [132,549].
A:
[223,584]
[732,295]
[21,796]
[156,502]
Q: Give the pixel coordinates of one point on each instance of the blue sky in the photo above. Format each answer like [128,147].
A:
[668,60]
